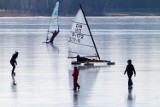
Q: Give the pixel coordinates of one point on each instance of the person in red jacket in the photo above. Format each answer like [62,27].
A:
[75,75]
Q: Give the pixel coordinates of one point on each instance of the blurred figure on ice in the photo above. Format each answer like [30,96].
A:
[75,75]
[13,62]
[130,70]
[82,59]
[54,34]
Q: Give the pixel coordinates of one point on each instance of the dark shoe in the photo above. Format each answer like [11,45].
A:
[78,87]
[14,84]
[74,89]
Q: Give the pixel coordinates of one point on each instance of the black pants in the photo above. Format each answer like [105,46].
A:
[13,65]
[130,83]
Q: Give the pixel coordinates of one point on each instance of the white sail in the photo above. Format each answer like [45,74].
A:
[81,40]
[53,25]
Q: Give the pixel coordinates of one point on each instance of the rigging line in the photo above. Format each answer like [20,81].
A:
[78,53]
[81,44]
[73,52]
[81,56]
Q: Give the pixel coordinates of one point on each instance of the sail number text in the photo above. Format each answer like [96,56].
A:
[77,36]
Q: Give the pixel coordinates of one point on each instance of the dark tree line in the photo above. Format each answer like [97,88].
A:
[70,7]
[34,7]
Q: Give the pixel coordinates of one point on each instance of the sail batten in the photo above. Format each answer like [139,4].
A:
[80,23]
[83,44]
[81,41]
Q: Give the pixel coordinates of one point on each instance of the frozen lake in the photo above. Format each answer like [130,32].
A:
[44,73]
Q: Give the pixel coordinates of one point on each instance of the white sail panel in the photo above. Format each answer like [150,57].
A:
[85,50]
[53,25]
[81,34]
[80,41]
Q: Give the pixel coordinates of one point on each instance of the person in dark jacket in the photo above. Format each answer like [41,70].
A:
[75,75]
[54,34]
[130,70]
[13,62]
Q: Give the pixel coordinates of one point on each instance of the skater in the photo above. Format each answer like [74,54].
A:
[130,70]
[54,34]
[75,78]
[13,62]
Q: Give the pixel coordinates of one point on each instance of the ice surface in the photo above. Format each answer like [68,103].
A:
[44,73]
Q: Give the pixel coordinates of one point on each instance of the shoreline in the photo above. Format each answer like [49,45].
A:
[132,14]
[114,14]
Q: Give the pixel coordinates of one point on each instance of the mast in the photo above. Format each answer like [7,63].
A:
[90,33]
